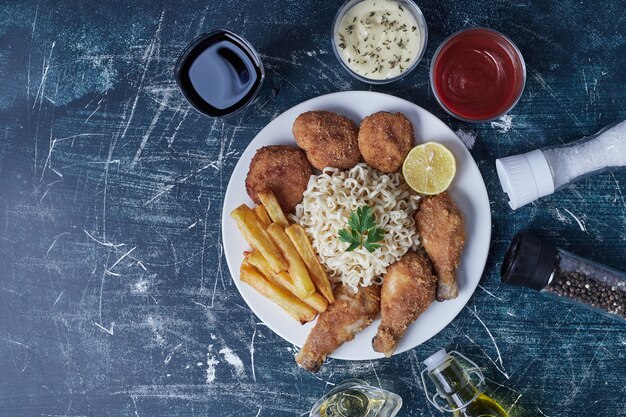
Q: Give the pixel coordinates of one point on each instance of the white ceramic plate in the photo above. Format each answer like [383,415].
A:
[467,189]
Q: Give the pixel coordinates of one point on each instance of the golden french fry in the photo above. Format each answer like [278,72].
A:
[301,241]
[273,208]
[303,285]
[317,301]
[284,280]
[259,262]
[262,215]
[257,237]
[285,300]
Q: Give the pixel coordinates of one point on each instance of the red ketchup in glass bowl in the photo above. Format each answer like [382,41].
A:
[477,74]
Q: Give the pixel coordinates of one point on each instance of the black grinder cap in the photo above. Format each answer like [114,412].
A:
[528,262]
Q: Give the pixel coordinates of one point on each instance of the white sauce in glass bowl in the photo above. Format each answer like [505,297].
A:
[379,39]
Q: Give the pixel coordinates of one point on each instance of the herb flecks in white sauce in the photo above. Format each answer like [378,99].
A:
[379,39]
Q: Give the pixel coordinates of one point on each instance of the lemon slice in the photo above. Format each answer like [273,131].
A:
[429,168]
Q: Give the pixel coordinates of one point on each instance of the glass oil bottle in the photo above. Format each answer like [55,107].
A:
[356,398]
[455,387]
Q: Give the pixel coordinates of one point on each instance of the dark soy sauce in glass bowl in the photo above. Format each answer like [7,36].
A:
[220,73]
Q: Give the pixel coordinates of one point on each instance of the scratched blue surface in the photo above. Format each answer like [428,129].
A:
[115,299]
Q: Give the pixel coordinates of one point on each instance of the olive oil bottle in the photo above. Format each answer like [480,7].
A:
[455,387]
[356,398]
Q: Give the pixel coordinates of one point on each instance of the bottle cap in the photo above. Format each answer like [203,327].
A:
[525,177]
[528,262]
[435,359]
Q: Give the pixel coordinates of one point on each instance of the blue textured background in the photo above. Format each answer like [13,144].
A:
[115,299]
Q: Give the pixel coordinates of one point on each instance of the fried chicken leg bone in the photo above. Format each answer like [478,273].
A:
[348,315]
[408,289]
[442,232]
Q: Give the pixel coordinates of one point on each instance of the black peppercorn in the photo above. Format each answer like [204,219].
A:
[532,263]
[588,284]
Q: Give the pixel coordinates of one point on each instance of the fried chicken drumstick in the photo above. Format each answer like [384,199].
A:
[408,289]
[347,316]
[442,232]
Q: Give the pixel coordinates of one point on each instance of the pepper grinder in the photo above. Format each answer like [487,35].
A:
[533,263]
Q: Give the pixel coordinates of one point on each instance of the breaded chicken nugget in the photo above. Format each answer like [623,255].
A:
[385,139]
[329,139]
[282,169]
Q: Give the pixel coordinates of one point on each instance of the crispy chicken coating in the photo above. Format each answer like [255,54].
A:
[385,139]
[329,139]
[284,170]
[347,316]
[408,289]
[442,232]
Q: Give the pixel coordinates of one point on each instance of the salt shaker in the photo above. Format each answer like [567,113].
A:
[533,263]
[535,174]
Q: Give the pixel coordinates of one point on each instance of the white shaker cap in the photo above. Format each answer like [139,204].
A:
[436,359]
[525,177]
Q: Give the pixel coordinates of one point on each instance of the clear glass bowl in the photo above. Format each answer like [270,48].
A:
[196,48]
[421,25]
[356,397]
[521,67]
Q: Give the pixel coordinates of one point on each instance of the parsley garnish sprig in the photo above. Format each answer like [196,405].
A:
[362,230]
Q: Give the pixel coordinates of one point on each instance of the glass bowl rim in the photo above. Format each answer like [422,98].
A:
[419,17]
[184,56]
[454,35]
